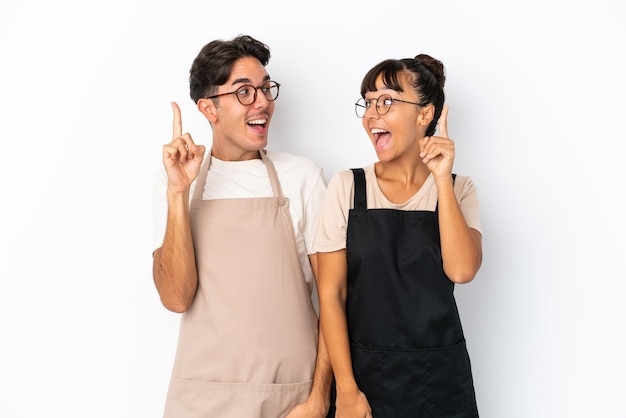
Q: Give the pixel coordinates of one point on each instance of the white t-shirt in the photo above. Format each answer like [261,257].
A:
[301,180]
[339,199]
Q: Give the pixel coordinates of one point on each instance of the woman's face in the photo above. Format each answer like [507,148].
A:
[396,132]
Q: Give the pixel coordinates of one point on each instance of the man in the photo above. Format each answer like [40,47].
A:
[235,258]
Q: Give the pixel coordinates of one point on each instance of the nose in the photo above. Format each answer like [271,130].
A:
[260,100]
[373,111]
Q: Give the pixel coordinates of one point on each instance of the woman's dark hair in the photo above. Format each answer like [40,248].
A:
[427,76]
[212,67]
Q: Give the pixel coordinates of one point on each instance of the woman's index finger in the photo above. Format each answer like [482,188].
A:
[443,122]
[177,126]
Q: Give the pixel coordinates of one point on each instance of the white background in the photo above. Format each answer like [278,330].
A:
[536,94]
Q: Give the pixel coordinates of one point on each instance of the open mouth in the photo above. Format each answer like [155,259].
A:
[259,124]
[262,121]
[381,137]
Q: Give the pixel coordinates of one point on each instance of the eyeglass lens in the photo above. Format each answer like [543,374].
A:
[247,93]
[383,104]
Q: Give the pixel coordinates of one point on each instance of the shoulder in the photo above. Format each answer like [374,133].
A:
[464,185]
[342,178]
[346,177]
[285,161]
[298,175]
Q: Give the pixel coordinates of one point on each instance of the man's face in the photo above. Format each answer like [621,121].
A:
[240,131]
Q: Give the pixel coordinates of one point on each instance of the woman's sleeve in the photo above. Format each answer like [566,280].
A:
[333,220]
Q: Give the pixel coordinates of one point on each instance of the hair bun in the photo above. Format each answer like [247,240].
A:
[434,66]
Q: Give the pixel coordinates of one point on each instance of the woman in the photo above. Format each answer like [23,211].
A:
[393,240]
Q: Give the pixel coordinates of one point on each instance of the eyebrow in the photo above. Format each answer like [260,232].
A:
[382,90]
[247,80]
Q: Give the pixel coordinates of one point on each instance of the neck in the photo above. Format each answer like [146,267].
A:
[239,155]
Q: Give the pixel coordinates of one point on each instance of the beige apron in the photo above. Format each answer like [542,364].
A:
[247,345]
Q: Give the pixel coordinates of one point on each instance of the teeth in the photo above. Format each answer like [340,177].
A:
[378,131]
[257,122]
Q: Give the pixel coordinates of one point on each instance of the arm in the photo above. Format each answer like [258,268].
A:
[461,246]
[318,402]
[174,264]
[333,287]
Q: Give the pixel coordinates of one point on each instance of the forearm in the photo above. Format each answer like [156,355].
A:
[322,377]
[461,248]
[335,330]
[174,265]
[332,286]
[323,374]
[332,289]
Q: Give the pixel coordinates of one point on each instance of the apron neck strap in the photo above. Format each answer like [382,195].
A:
[271,171]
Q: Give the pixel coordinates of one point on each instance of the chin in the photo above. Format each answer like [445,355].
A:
[384,155]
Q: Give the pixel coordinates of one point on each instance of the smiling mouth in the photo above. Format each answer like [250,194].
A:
[258,123]
[381,137]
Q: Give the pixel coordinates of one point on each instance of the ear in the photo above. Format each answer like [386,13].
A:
[208,109]
[426,115]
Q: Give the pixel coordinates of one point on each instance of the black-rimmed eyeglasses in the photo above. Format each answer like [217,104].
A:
[246,94]
[383,104]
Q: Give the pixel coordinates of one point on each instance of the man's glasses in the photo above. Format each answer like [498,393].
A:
[383,104]
[246,94]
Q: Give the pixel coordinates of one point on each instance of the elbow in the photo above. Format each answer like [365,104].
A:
[461,275]
[176,300]
[176,291]
[463,271]
[175,305]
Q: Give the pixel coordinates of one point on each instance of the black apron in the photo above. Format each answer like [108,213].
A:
[406,341]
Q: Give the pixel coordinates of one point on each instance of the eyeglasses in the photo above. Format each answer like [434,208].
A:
[246,94]
[383,104]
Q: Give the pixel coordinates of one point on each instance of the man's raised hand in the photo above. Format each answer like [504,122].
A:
[182,158]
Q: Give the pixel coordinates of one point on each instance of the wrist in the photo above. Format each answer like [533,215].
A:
[175,193]
[348,388]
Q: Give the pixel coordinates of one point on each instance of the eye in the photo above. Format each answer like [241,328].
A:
[243,91]
[388,102]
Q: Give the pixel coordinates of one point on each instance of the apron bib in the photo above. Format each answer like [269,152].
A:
[407,345]
[247,346]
